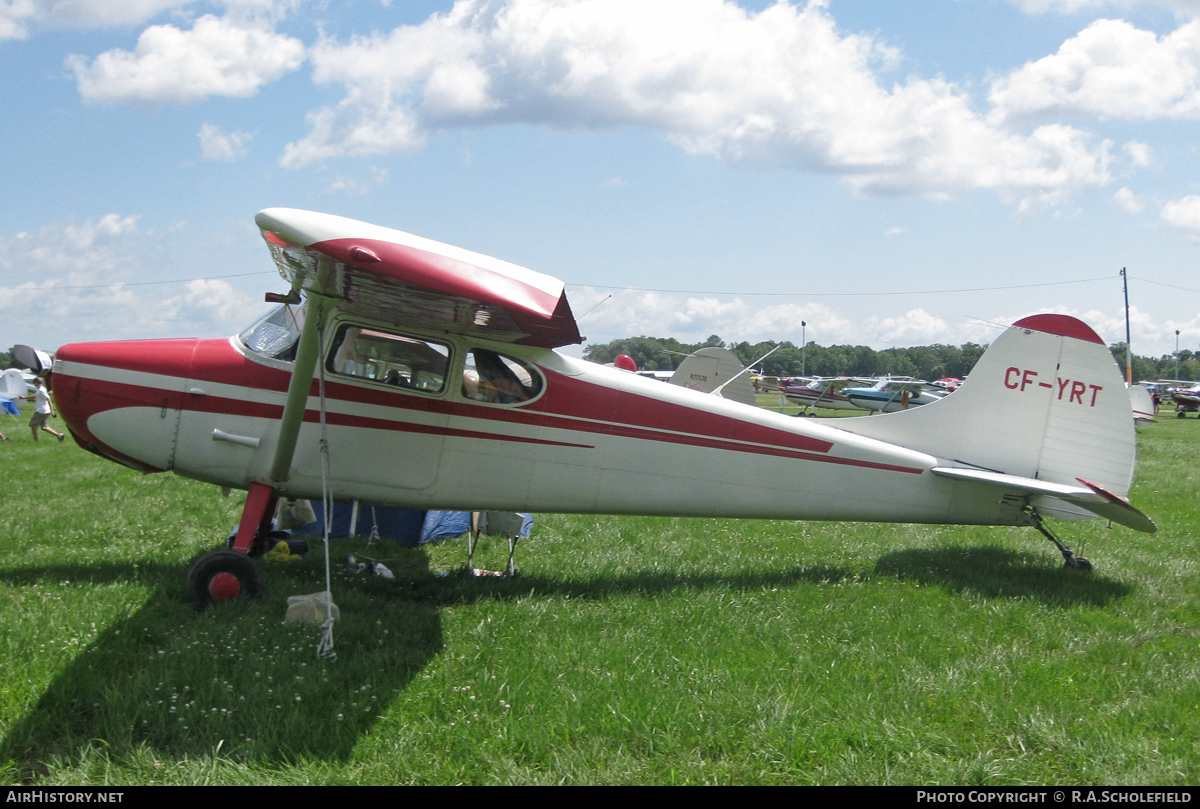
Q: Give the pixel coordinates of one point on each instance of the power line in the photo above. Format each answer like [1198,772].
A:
[1161,284]
[135,283]
[122,285]
[850,294]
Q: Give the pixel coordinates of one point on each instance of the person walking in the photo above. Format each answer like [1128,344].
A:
[42,411]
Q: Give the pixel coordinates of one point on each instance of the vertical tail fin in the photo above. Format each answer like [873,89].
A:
[1046,401]
[711,368]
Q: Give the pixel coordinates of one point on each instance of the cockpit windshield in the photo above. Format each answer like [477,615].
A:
[276,334]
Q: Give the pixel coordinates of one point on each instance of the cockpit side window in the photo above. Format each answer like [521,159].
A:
[499,379]
[392,359]
[276,334]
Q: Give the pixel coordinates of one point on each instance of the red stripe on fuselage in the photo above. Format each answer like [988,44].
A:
[578,399]
[569,404]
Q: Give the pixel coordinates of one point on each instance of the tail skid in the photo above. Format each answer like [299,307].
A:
[1044,413]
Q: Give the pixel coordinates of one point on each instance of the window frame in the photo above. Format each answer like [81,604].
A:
[531,367]
[340,330]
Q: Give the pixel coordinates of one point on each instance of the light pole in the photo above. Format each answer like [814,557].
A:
[1177,353]
[804,347]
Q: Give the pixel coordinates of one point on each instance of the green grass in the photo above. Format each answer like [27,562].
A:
[629,650]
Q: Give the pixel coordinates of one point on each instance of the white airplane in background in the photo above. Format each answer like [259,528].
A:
[431,375]
[827,392]
[893,395]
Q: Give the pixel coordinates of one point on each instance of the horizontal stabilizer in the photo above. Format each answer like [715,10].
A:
[1091,496]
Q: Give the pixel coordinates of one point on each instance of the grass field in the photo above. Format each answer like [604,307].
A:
[628,650]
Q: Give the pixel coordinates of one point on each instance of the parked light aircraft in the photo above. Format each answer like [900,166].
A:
[427,373]
[1140,402]
[824,392]
[893,395]
[1187,400]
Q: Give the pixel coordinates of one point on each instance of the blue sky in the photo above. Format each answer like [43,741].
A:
[890,173]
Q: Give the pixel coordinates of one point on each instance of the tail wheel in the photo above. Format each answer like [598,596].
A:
[222,576]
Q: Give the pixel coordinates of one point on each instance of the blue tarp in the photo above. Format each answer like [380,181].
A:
[8,406]
[443,524]
[410,527]
[397,524]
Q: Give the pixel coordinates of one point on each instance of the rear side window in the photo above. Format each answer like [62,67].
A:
[392,359]
[498,378]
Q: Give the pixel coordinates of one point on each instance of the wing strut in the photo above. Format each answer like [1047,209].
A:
[263,495]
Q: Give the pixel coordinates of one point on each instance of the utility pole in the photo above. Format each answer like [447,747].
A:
[803,348]
[1176,354]
[1128,345]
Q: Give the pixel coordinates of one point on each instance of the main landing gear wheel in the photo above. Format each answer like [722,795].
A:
[1077,562]
[222,576]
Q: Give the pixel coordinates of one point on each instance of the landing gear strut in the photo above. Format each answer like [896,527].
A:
[1070,560]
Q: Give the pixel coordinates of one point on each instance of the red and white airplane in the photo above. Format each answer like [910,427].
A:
[431,373]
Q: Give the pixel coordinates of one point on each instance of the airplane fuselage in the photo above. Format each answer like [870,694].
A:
[593,439]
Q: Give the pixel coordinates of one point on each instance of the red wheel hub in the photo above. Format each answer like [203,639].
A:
[224,587]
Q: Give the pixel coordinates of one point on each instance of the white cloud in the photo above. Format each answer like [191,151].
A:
[216,57]
[67,247]
[692,318]
[894,232]
[17,15]
[781,87]
[86,14]
[104,13]
[1111,70]
[216,145]
[210,299]
[1186,8]
[1129,201]
[67,282]
[1184,214]
[353,185]
[14,16]
[1139,153]
[915,327]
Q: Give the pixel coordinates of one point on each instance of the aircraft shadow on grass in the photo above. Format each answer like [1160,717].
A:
[995,572]
[201,676]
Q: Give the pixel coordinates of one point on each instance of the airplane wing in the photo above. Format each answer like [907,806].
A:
[912,386]
[838,384]
[393,275]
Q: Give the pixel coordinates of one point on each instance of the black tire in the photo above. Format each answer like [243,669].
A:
[1079,563]
[204,587]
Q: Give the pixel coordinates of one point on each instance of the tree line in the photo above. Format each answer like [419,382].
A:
[924,362]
